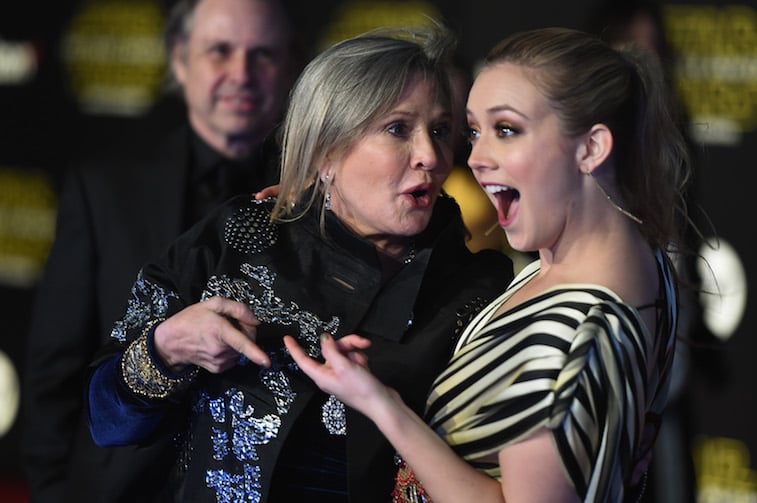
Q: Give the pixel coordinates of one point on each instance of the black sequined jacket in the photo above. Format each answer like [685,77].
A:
[297,282]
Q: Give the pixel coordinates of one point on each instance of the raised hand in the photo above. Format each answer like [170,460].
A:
[345,373]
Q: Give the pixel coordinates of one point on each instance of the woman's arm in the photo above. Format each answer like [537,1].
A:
[445,476]
[129,394]
[115,416]
[532,471]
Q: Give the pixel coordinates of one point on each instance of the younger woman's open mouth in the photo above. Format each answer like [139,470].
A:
[505,196]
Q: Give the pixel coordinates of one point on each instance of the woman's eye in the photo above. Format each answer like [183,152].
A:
[471,134]
[441,131]
[398,129]
[505,130]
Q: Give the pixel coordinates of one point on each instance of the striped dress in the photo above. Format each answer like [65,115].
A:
[576,360]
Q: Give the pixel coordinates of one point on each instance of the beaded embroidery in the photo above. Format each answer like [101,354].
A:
[333,416]
[247,434]
[245,431]
[144,378]
[238,430]
[250,229]
[148,302]
[407,488]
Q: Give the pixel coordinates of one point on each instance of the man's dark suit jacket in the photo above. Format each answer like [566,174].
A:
[112,217]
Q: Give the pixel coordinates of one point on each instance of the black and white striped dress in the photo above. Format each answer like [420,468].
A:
[576,360]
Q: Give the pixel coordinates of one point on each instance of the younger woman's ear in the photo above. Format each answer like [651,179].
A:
[594,148]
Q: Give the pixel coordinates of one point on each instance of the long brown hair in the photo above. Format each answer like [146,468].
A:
[586,82]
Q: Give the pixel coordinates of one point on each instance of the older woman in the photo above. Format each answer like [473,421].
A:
[360,241]
[555,390]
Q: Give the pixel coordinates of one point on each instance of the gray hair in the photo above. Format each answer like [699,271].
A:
[343,90]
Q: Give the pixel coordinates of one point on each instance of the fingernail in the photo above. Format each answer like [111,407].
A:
[324,337]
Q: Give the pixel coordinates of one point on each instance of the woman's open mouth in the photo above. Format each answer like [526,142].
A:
[421,197]
[505,196]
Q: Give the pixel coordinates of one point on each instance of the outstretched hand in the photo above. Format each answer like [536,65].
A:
[210,334]
[345,373]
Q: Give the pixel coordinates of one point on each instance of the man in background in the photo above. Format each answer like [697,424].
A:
[234,62]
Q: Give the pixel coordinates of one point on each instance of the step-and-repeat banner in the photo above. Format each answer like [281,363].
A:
[73,79]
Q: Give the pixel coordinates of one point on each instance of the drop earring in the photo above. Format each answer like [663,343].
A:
[612,201]
[327,193]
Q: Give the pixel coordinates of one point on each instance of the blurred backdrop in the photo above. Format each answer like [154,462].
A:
[77,75]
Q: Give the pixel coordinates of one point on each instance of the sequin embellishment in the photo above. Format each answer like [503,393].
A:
[235,488]
[148,301]
[143,377]
[246,433]
[333,416]
[258,293]
[250,229]
[407,487]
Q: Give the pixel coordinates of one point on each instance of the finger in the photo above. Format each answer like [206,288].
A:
[358,358]
[251,331]
[305,362]
[233,309]
[352,342]
[270,191]
[243,345]
[222,362]
[332,352]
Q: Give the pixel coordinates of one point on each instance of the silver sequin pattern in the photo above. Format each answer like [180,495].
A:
[242,488]
[249,229]
[333,416]
[238,431]
[255,288]
[148,302]
[247,433]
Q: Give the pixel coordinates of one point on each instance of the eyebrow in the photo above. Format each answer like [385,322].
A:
[413,114]
[502,108]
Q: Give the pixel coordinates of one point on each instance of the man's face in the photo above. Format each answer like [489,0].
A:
[235,69]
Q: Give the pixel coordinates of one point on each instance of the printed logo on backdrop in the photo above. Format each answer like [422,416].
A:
[354,18]
[716,68]
[114,58]
[715,74]
[27,225]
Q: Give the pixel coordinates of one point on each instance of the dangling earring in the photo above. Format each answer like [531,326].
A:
[612,201]
[327,193]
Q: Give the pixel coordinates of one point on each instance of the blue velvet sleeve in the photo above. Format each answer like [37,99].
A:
[115,416]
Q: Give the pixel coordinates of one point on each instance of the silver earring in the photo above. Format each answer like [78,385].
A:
[613,203]
[327,193]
